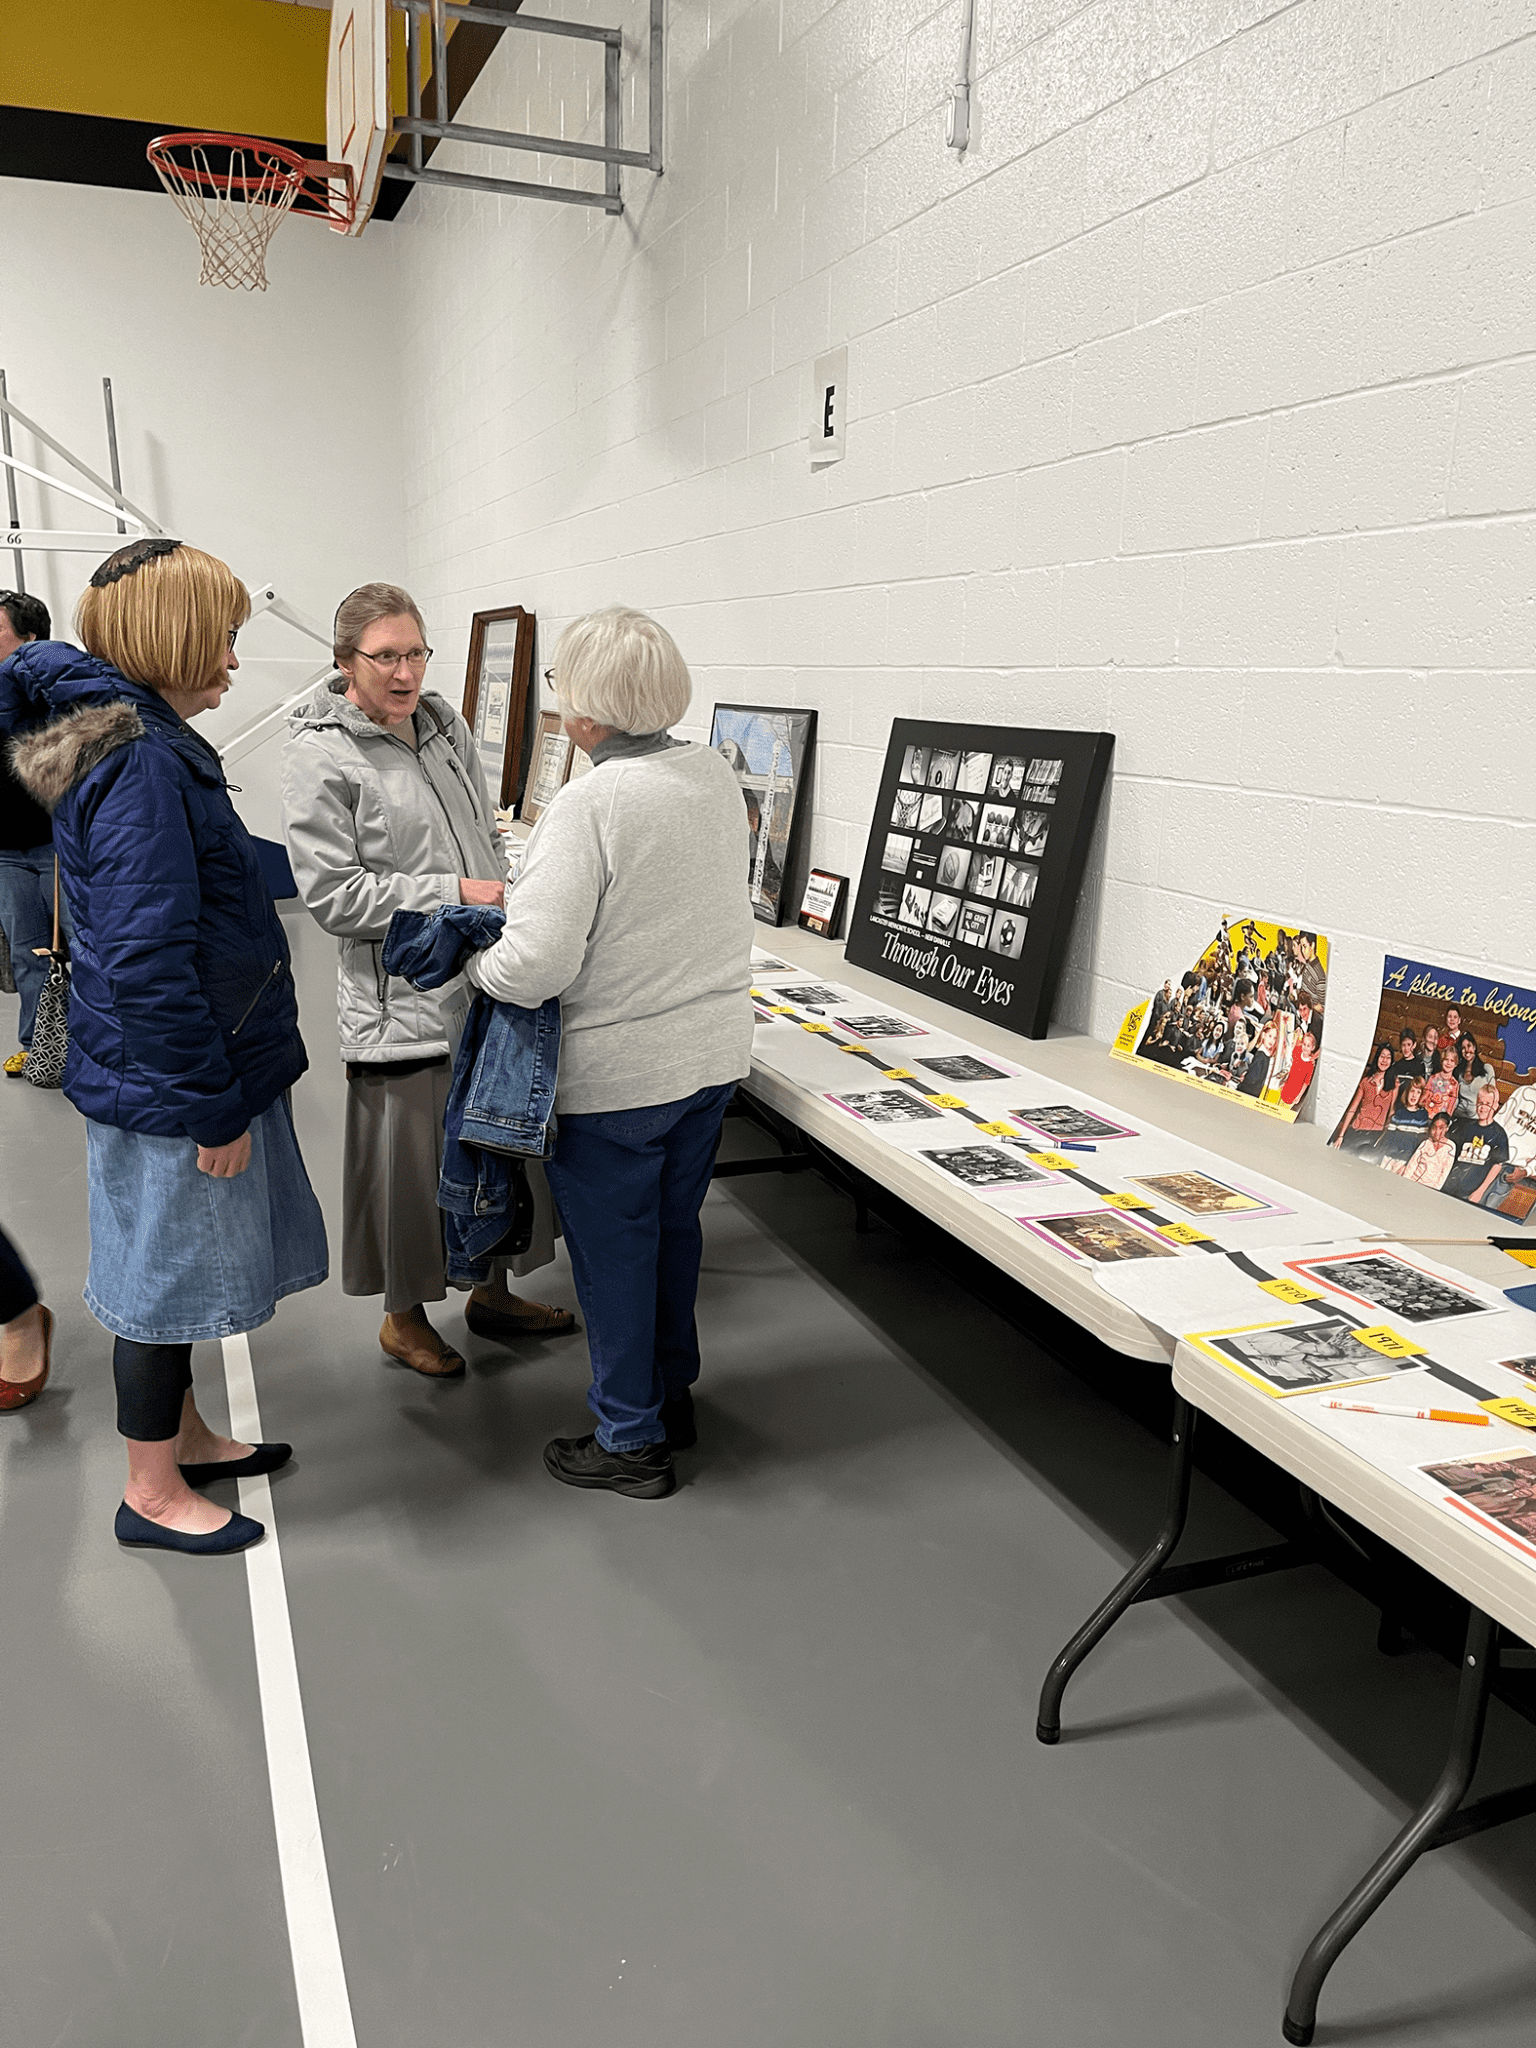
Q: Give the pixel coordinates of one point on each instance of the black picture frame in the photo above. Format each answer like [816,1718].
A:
[769,748]
[949,901]
[825,915]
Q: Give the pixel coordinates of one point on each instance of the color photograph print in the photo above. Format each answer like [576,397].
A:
[1060,1120]
[988,1166]
[1246,1020]
[1447,1094]
[1394,1286]
[1522,1368]
[1199,1194]
[1294,1358]
[767,749]
[1498,1493]
[1106,1237]
[887,1106]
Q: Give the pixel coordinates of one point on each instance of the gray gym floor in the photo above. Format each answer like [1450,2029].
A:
[754,1765]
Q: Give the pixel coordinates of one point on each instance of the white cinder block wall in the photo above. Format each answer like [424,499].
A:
[1197,402]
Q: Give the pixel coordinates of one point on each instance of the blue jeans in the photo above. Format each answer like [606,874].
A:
[629,1185]
[26,915]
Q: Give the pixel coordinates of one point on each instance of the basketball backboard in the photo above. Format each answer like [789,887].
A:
[357,103]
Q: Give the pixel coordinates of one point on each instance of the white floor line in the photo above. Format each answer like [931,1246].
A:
[319,1976]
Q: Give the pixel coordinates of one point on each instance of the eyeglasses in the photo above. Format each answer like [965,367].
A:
[414,657]
[234,634]
[549,677]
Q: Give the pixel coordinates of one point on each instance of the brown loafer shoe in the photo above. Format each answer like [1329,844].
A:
[530,1319]
[17,1393]
[425,1353]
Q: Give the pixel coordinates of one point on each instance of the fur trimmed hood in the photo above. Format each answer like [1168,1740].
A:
[52,759]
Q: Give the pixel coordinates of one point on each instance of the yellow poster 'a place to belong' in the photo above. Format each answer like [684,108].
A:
[1246,1020]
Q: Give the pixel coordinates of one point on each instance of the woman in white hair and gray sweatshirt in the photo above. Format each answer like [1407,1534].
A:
[632,908]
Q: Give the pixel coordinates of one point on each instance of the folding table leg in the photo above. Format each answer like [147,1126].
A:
[1103,1618]
[1478,1666]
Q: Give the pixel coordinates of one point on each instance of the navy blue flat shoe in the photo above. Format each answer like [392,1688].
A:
[138,1533]
[262,1458]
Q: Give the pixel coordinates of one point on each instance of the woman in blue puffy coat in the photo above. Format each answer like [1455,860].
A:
[183,1020]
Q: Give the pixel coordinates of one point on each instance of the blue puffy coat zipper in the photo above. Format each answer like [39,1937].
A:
[277,968]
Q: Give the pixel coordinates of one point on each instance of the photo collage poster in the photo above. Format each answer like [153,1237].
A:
[1245,1020]
[768,750]
[975,862]
[1447,1094]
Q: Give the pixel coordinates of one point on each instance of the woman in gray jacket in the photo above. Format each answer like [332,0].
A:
[385,808]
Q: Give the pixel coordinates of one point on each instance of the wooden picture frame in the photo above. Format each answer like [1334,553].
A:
[549,765]
[496,685]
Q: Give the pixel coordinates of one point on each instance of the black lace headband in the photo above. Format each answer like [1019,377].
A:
[132,557]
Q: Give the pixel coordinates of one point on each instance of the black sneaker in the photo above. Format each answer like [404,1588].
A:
[677,1421]
[645,1474]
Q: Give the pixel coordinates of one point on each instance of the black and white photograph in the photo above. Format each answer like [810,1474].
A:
[1066,1120]
[988,1166]
[986,875]
[882,1027]
[1007,935]
[996,825]
[887,897]
[888,1106]
[1396,1286]
[914,905]
[898,851]
[914,764]
[1007,778]
[764,963]
[1042,782]
[964,1066]
[769,749]
[964,817]
[1106,1236]
[954,865]
[943,767]
[1031,833]
[943,914]
[811,995]
[1525,1367]
[932,813]
[906,809]
[975,923]
[1302,1355]
[974,770]
[1019,881]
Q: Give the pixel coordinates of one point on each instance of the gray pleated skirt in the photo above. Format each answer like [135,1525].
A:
[392,1228]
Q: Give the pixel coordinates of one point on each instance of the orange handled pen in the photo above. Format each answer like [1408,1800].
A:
[1414,1414]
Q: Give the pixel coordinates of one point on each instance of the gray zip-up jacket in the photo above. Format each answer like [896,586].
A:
[375,825]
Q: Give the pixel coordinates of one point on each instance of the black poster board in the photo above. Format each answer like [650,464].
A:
[968,891]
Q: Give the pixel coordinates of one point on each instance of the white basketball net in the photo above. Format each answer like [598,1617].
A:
[235,195]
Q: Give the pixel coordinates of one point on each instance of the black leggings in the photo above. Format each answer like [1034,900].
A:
[151,1380]
[17,1294]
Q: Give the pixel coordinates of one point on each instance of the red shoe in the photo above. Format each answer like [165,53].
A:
[17,1393]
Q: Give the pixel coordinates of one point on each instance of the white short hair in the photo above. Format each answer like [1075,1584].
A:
[619,668]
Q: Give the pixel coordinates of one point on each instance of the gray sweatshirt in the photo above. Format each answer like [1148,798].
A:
[632,907]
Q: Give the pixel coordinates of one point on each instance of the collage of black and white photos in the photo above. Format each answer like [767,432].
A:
[967,834]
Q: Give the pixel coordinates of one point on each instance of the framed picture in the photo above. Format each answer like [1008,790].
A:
[822,907]
[975,863]
[496,688]
[768,749]
[549,767]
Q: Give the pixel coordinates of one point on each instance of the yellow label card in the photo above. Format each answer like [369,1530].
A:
[1126,1201]
[1508,1409]
[1289,1290]
[1388,1342]
[1182,1233]
[947,1101]
[817,1027]
[997,1130]
[1057,1162]
[896,1073]
[782,1009]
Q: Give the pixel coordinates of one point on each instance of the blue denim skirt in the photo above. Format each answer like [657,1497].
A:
[177,1256]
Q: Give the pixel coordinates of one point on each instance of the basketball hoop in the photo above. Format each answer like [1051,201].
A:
[236,190]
